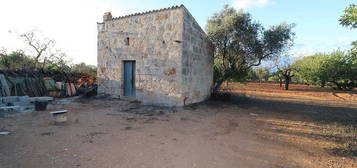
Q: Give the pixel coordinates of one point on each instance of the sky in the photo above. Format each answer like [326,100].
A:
[72,23]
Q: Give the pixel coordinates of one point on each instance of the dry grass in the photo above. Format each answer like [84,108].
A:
[338,139]
[313,117]
[346,136]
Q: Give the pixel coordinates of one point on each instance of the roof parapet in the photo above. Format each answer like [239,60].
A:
[147,12]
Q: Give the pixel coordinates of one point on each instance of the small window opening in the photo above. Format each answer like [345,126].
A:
[127,41]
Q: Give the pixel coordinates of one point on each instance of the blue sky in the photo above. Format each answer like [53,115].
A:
[317,27]
[72,23]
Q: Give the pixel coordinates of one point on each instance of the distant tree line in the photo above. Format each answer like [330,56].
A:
[337,69]
[42,57]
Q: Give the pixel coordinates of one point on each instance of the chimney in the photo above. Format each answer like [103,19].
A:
[107,16]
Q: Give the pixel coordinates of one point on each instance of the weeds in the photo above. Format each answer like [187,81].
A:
[347,135]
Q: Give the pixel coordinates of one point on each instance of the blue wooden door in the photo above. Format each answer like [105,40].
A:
[129,78]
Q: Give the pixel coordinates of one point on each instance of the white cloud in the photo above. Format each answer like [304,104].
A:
[343,39]
[71,23]
[245,4]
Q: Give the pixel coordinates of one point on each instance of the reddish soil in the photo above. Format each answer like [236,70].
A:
[297,93]
[245,132]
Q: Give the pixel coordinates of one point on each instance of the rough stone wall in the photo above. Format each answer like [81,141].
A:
[197,61]
[173,62]
[152,45]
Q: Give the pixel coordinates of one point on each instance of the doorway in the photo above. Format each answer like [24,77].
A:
[129,78]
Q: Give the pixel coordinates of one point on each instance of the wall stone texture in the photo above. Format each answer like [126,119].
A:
[174,60]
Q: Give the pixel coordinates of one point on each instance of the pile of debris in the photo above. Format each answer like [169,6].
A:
[45,83]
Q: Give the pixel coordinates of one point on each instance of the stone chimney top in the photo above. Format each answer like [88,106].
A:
[107,16]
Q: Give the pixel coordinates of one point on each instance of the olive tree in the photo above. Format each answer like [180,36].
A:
[341,68]
[311,69]
[241,43]
[285,69]
[287,73]
[41,48]
[337,68]
[349,18]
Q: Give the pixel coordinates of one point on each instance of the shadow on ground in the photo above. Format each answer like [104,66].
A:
[318,113]
[335,125]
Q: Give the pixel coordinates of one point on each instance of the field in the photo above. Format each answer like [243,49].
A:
[297,93]
[261,126]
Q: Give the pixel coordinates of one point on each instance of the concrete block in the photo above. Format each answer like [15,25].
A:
[41,99]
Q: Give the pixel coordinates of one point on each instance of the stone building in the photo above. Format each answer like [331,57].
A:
[159,57]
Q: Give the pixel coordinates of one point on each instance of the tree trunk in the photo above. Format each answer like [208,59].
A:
[339,87]
[287,81]
[217,85]
[323,84]
[280,82]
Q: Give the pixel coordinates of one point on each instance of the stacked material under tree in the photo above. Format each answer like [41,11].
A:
[42,83]
[4,87]
[21,86]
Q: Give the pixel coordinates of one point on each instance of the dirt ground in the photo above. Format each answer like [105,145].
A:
[297,93]
[244,132]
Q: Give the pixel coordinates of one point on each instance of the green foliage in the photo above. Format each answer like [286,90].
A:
[337,68]
[84,68]
[43,58]
[341,70]
[349,19]
[239,77]
[258,74]
[274,78]
[345,76]
[252,76]
[311,69]
[59,62]
[241,43]
[15,61]
[354,48]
